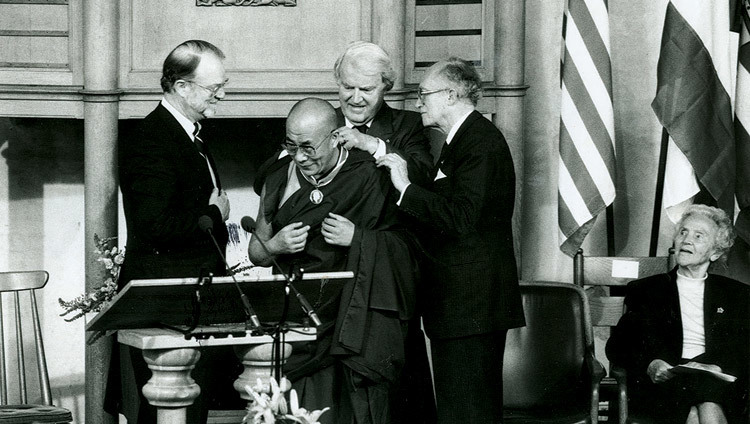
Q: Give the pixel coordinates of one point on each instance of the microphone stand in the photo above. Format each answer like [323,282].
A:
[251,319]
[306,307]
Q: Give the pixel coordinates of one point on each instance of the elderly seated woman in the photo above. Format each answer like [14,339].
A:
[687,317]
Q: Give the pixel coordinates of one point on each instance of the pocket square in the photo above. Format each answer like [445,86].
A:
[439,175]
[720,310]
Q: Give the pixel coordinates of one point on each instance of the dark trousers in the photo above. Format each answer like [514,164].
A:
[469,378]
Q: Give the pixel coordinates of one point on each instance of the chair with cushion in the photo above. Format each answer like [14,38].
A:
[604,278]
[550,374]
[17,293]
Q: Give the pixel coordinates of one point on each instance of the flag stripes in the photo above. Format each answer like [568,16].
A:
[692,102]
[586,171]
[741,125]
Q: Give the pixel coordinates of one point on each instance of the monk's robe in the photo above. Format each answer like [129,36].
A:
[359,354]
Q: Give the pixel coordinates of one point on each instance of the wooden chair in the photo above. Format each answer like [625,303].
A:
[605,278]
[15,287]
[550,374]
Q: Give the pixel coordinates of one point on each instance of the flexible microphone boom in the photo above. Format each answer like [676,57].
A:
[206,224]
[248,224]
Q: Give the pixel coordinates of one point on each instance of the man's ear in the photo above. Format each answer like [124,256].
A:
[452,96]
[180,87]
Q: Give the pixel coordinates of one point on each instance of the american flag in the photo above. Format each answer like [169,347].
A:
[586,184]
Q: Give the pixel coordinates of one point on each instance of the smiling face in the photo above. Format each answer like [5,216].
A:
[695,244]
[361,93]
[306,132]
[205,89]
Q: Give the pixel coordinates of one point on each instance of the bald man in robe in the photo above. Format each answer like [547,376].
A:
[328,210]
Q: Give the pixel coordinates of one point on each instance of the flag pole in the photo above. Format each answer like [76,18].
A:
[610,229]
[659,195]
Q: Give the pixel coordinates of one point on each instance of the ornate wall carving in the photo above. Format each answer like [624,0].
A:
[288,3]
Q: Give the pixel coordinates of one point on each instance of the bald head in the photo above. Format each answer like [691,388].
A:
[314,114]
[310,125]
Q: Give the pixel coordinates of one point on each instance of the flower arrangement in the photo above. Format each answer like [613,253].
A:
[94,301]
[273,408]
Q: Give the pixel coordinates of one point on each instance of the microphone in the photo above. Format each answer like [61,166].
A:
[206,224]
[248,224]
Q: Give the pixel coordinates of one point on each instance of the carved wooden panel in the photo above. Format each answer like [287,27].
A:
[290,3]
[266,47]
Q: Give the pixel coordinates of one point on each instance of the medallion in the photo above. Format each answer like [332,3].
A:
[316,196]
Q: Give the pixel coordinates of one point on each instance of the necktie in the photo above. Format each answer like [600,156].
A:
[197,140]
[361,128]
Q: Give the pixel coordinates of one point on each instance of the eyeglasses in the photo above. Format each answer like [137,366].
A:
[306,150]
[213,90]
[421,92]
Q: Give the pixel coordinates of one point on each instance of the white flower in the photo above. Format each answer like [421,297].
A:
[301,415]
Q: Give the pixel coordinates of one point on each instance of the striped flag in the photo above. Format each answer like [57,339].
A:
[693,103]
[586,184]
[742,126]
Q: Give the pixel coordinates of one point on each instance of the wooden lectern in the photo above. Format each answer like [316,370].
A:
[170,319]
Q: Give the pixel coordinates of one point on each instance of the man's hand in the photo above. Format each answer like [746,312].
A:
[399,172]
[290,239]
[337,230]
[220,199]
[353,139]
[659,371]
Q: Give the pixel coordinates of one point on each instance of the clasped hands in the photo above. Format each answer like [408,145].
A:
[336,230]
[660,371]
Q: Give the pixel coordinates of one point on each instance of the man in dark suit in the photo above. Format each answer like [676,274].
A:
[364,73]
[167,174]
[471,295]
[169,180]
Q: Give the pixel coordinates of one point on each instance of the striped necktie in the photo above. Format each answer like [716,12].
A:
[197,140]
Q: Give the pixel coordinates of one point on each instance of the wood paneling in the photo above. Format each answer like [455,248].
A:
[34,50]
[269,47]
[37,42]
[461,16]
[438,29]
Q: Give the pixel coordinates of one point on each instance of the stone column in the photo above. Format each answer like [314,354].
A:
[509,78]
[100,113]
[171,389]
[388,18]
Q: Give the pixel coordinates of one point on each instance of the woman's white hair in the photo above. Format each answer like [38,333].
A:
[725,233]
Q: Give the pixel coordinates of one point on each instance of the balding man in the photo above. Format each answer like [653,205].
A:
[354,364]
[169,180]
[465,221]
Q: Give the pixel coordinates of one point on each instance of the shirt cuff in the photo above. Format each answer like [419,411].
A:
[380,151]
[401,197]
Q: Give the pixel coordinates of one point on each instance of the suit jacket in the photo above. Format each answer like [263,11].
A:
[403,133]
[166,185]
[465,212]
[401,130]
[652,326]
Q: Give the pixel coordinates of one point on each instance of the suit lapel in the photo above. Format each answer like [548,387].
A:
[186,148]
[382,124]
[712,300]
[447,148]
[674,316]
